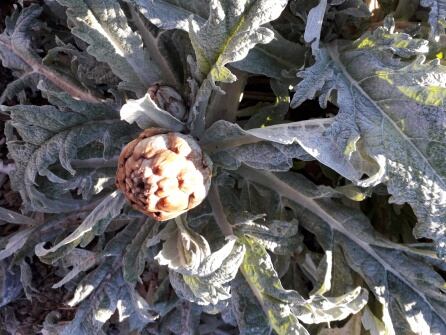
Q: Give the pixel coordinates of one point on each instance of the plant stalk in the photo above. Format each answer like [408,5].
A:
[63,83]
[219,213]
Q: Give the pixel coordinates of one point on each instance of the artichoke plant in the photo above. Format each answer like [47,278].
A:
[223,167]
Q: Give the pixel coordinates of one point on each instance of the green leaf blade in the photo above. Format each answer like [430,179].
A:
[104,27]
[391,124]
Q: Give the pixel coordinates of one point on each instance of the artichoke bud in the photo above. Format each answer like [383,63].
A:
[168,99]
[163,174]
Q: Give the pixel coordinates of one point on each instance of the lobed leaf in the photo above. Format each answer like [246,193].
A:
[10,285]
[391,122]
[52,138]
[230,146]
[249,314]
[136,252]
[103,25]
[437,16]
[397,274]
[267,59]
[279,237]
[78,261]
[17,53]
[314,24]
[229,33]
[95,223]
[134,309]
[197,274]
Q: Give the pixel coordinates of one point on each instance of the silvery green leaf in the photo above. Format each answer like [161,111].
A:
[309,135]
[94,281]
[261,277]
[231,30]
[134,309]
[267,59]
[95,222]
[10,286]
[214,261]
[371,323]
[94,312]
[391,123]
[314,25]
[122,240]
[183,250]
[278,236]
[91,282]
[77,261]
[207,283]
[316,309]
[173,14]
[251,319]
[319,309]
[214,287]
[184,319]
[103,25]
[323,275]
[437,16]
[135,257]
[16,38]
[197,113]
[230,146]
[18,54]
[26,278]
[398,275]
[81,67]
[15,218]
[14,242]
[20,244]
[52,140]
[205,293]
[182,289]
[273,58]
[16,51]
[147,114]
[168,48]
[14,88]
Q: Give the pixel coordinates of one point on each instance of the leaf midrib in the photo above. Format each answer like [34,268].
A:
[37,67]
[105,32]
[271,181]
[217,62]
[334,54]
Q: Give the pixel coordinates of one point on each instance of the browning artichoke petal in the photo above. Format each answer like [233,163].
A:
[163,174]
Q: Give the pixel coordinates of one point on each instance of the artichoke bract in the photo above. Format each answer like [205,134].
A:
[168,99]
[164,174]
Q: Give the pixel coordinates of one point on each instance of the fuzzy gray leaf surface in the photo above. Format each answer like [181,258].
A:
[370,255]
[324,210]
[269,59]
[391,124]
[104,26]
[50,136]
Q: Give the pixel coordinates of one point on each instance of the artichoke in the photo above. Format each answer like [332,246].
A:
[168,99]
[163,174]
